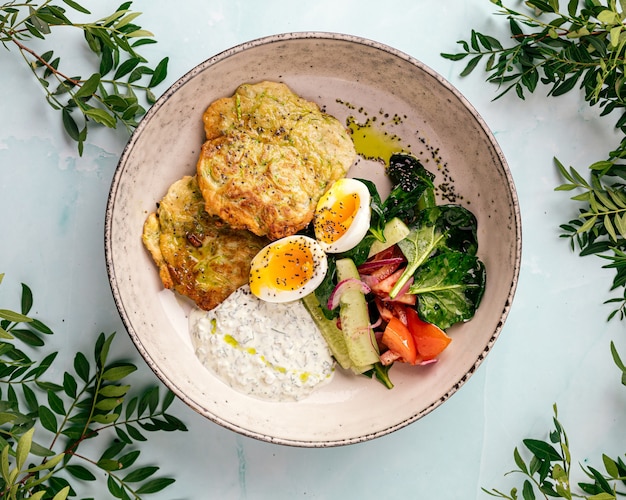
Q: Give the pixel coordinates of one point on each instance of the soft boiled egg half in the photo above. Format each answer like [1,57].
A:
[288,269]
[342,215]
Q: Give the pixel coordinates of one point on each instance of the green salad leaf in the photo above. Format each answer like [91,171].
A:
[450,286]
[451,227]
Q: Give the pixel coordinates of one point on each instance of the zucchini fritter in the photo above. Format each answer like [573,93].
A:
[268,158]
[197,254]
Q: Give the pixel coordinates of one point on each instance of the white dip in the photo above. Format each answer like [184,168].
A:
[270,351]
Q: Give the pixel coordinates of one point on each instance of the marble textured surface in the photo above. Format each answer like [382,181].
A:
[554,347]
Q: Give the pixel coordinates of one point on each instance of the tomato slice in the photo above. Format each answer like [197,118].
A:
[398,338]
[430,340]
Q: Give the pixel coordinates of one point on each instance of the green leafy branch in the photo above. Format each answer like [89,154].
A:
[547,472]
[583,46]
[114,94]
[43,424]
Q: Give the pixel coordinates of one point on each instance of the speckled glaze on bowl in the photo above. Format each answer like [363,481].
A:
[347,76]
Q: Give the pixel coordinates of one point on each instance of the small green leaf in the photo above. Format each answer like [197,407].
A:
[109,403]
[140,33]
[7,417]
[140,474]
[608,16]
[4,462]
[40,327]
[608,225]
[40,450]
[455,57]
[109,418]
[542,450]
[76,6]
[471,65]
[14,316]
[48,419]
[23,448]
[129,459]
[126,67]
[80,472]
[614,35]
[528,493]
[27,299]
[114,488]
[30,398]
[611,467]
[88,87]
[108,464]
[155,485]
[519,461]
[56,403]
[69,385]
[49,464]
[62,494]
[134,433]
[69,124]
[81,366]
[160,73]
[118,372]
[114,391]
[28,337]
[102,349]
[168,399]
[122,436]
[127,19]
[101,116]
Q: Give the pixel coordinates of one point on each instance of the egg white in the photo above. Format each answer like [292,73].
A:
[270,282]
[342,189]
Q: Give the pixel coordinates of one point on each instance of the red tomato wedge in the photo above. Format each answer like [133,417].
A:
[430,340]
[399,340]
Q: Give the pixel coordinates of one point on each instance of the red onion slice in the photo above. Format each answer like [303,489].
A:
[342,286]
[377,264]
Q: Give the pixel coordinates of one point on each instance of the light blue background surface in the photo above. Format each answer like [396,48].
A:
[554,347]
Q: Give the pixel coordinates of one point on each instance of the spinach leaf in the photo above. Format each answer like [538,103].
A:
[323,292]
[449,287]
[456,222]
[360,253]
[377,220]
[411,184]
[449,227]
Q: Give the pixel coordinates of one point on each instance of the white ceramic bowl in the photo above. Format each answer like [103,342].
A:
[334,70]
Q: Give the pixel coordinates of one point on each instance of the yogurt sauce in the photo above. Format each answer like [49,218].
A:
[267,350]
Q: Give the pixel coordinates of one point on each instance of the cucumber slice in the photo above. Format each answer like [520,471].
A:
[333,335]
[395,230]
[355,321]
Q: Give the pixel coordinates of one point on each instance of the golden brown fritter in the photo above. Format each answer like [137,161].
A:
[268,158]
[197,254]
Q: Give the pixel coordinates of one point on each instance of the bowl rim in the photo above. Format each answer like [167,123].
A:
[203,66]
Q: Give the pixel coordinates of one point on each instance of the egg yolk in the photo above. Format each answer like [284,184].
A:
[331,222]
[286,266]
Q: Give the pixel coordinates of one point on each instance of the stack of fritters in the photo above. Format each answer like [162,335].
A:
[268,158]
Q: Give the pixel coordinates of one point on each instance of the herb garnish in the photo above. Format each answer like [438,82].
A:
[583,46]
[548,470]
[45,423]
[111,95]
